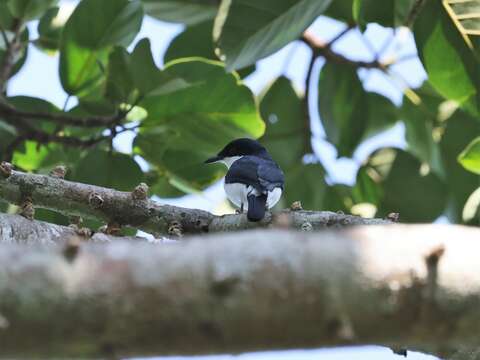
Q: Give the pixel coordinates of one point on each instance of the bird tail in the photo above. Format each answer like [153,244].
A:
[256,207]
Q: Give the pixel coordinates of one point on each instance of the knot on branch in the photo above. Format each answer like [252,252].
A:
[393,217]
[112,228]
[306,226]
[72,248]
[6,169]
[59,172]
[81,231]
[95,200]
[175,229]
[27,210]
[296,206]
[140,192]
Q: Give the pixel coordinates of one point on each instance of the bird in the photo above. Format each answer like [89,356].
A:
[254,181]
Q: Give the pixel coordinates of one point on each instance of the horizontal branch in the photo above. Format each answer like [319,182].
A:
[125,208]
[320,48]
[416,287]
[9,111]
[15,229]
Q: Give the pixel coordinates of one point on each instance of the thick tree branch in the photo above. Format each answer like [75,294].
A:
[416,287]
[123,208]
[15,229]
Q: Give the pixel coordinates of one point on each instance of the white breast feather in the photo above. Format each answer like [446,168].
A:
[237,193]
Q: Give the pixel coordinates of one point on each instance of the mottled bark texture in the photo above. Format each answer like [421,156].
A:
[127,208]
[414,287]
[16,229]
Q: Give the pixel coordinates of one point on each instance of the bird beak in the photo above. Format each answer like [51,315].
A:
[213,159]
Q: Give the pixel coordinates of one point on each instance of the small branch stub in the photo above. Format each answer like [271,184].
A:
[140,192]
[59,172]
[175,229]
[95,200]
[27,210]
[296,206]
[394,217]
[72,248]
[6,169]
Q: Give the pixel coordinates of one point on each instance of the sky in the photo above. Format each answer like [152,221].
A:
[39,78]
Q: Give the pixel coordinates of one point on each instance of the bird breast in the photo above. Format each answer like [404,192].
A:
[237,193]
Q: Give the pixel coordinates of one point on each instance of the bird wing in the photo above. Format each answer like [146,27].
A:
[262,174]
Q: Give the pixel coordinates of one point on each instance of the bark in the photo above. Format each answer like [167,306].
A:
[124,208]
[15,229]
[413,287]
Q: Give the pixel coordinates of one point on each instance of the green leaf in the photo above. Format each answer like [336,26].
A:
[470,157]
[51,217]
[35,105]
[189,12]
[7,20]
[120,84]
[342,103]
[248,30]
[382,114]
[7,135]
[49,30]
[31,157]
[197,41]
[420,121]
[311,193]
[109,169]
[366,189]
[407,187]
[282,109]
[341,10]
[461,129]
[186,127]
[456,73]
[389,13]
[84,53]
[117,23]
[29,9]
[338,197]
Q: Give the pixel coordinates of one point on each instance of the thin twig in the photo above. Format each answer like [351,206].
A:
[414,12]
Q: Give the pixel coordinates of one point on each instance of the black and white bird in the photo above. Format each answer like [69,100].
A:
[254,181]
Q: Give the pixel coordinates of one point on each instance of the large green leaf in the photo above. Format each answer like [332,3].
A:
[116,22]
[451,66]
[197,40]
[249,30]
[343,107]
[109,169]
[186,127]
[120,83]
[189,12]
[407,187]
[282,109]
[460,131]
[29,9]
[83,54]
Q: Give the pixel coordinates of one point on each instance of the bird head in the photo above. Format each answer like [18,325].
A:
[236,149]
